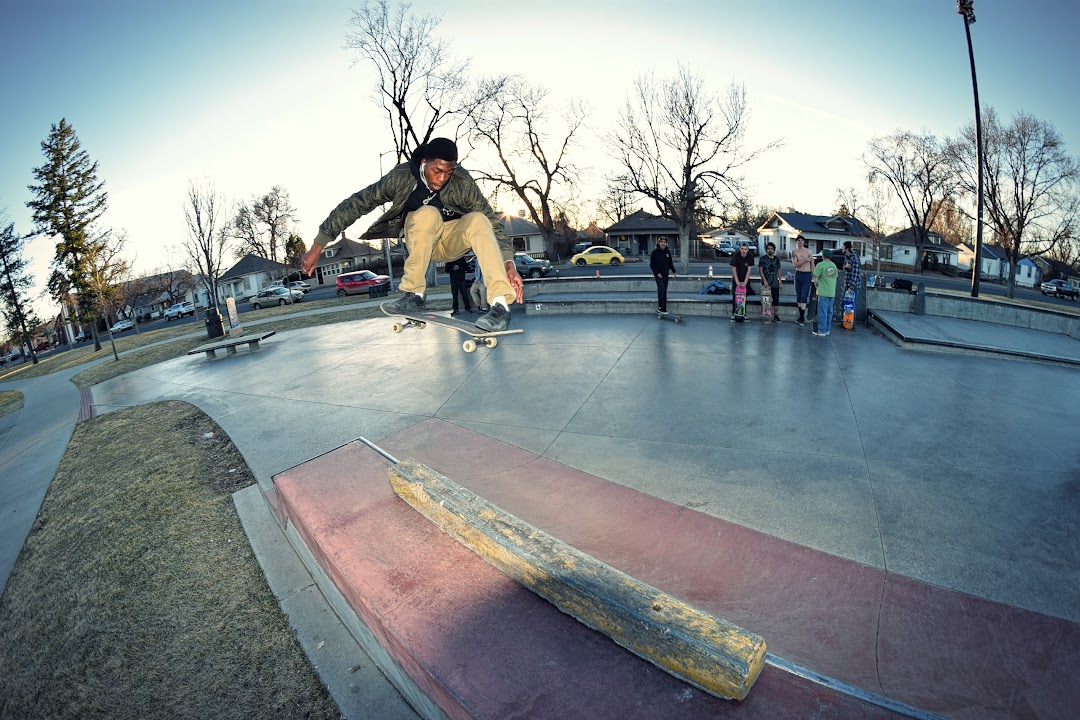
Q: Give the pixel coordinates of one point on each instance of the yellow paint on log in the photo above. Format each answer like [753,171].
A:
[691,644]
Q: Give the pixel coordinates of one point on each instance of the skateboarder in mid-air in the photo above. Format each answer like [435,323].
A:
[443,215]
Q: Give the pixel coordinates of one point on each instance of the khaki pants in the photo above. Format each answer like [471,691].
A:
[429,238]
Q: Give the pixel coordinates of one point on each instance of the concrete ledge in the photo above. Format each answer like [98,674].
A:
[229,344]
[968,308]
[702,649]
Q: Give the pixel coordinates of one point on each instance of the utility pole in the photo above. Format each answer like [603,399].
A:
[966,8]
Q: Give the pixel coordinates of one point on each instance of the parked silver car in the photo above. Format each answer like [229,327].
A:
[275,296]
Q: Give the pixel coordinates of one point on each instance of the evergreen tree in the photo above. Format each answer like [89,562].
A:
[14,286]
[69,199]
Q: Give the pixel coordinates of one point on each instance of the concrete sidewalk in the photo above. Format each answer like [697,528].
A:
[958,471]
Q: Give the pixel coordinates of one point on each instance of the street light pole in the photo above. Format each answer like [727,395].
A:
[386,241]
[966,8]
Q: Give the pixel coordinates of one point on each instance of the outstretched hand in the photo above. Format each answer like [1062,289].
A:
[515,280]
[311,259]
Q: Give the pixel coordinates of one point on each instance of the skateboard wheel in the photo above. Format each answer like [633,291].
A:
[421,325]
[398,327]
[469,345]
[491,342]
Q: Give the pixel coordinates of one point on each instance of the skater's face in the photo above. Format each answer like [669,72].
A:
[437,173]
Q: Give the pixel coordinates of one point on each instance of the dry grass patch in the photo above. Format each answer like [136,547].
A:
[10,401]
[137,594]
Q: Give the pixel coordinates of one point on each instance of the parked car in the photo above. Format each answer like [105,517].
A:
[726,248]
[582,246]
[597,255]
[42,345]
[528,266]
[299,285]
[179,310]
[122,326]
[355,283]
[275,296]
[1059,288]
[83,336]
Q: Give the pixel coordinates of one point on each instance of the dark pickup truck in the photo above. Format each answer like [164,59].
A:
[1059,288]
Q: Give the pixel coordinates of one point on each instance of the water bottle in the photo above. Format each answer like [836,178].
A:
[710,271]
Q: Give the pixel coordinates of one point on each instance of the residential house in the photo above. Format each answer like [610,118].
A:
[822,232]
[162,290]
[1050,269]
[715,236]
[636,234]
[525,236]
[1028,273]
[248,276]
[347,255]
[901,248]
[994,261]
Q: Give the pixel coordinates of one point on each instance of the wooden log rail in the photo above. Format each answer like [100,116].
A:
[691,644]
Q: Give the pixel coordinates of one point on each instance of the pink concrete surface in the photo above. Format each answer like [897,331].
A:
[924,645]
[479,644]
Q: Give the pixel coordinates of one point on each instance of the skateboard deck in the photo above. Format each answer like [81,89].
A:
[849,310]
[740,303]
[766,303]
[420,320]
[670,316]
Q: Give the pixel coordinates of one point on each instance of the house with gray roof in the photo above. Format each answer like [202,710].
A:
[993,261]
[901,248]
[525,236]
[347,255]
[248,276]
[822,232]
[636,234]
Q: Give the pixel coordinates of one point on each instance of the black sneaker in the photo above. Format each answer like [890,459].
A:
[776,319]
[495,319]
[407,303]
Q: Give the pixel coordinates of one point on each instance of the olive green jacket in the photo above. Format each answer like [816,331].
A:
[461,194]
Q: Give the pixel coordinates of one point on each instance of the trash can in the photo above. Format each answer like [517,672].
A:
[215,328]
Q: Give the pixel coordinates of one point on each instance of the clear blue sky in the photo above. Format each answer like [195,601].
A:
[251,94]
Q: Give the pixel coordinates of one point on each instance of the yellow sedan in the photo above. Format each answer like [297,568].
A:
[597,255]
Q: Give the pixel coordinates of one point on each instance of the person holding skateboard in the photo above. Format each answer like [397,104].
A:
[803,261]
[825,274]
[741,262]
[660,263]
[442,213]
[852,274]
[769,269]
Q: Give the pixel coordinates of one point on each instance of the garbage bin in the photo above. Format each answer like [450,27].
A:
[215,328]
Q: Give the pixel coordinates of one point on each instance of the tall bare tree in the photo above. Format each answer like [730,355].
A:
[261,227]
[917,168]
[514,120]
[1031,184]
[680,145]
[206,217]
[420,86]
[616,203]
[107,271]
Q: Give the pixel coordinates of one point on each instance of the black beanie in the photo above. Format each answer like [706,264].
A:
[438,149]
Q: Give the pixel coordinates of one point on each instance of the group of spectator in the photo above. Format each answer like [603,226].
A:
[823,275]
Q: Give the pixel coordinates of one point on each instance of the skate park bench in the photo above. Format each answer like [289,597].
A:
[229,344]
